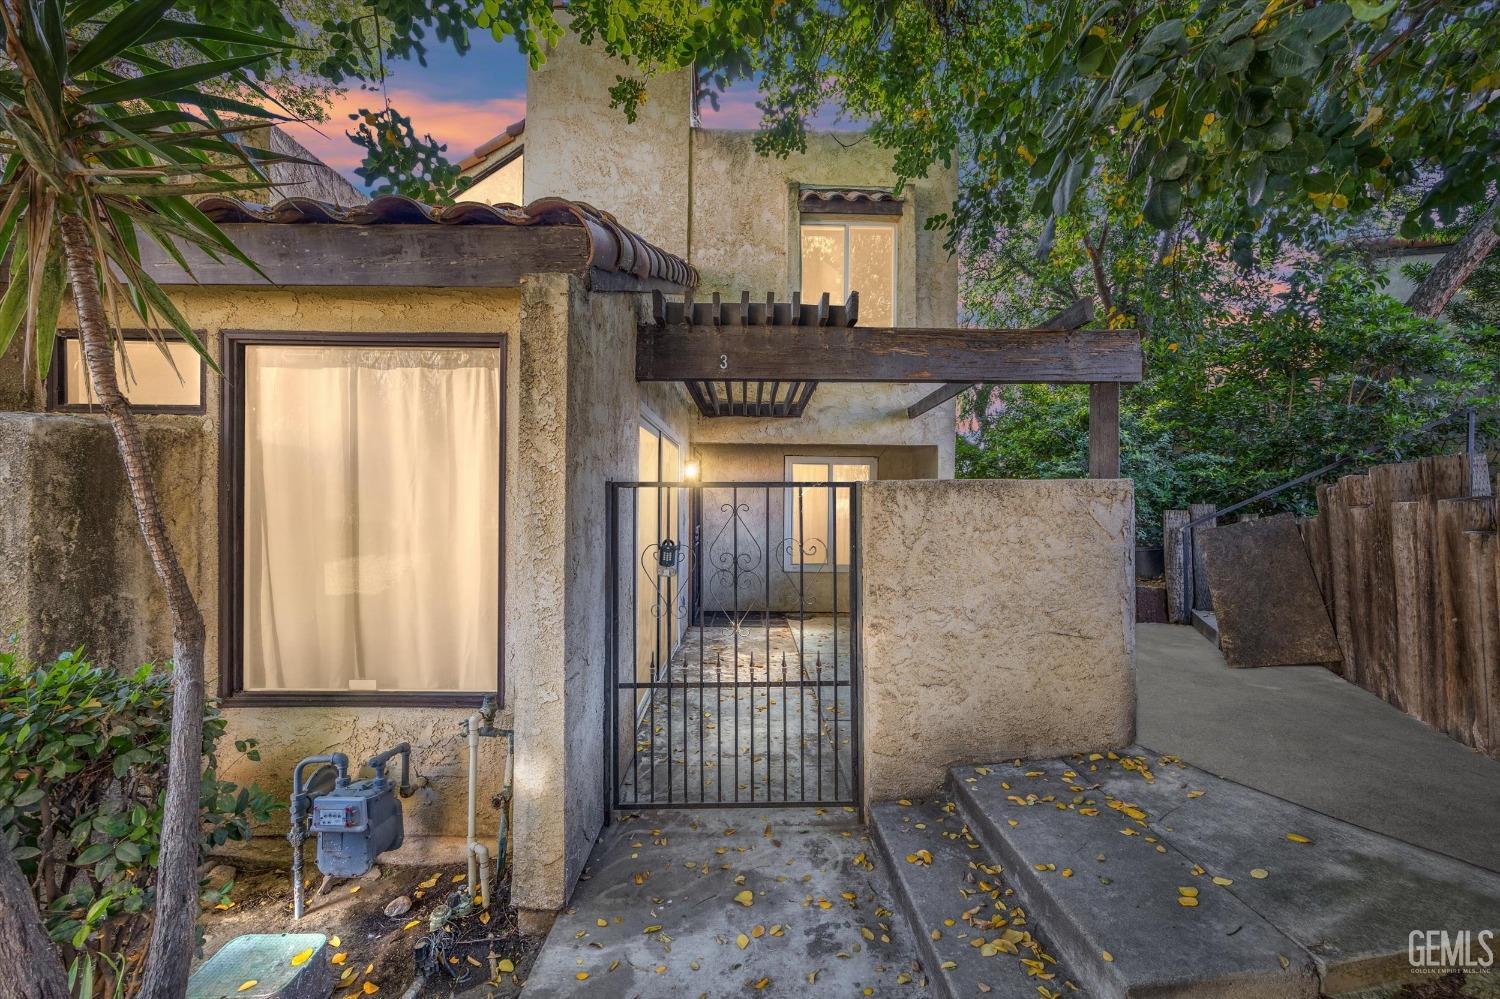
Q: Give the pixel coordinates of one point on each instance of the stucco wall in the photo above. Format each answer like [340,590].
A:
[578,147]
[79,573]
[578,427]
[998,621]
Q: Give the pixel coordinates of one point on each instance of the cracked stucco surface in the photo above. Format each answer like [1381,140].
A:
[998,621]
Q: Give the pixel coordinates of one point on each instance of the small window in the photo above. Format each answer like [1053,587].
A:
[150,379]
[840,257]
[817,516]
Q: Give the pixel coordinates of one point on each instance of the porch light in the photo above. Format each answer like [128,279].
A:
[690,470]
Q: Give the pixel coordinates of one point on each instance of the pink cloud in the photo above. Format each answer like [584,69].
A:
[460,124]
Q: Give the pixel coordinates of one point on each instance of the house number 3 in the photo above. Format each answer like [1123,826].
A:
[723,362]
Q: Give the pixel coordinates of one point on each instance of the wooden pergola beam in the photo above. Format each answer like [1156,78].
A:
[1075,316]
[885,354]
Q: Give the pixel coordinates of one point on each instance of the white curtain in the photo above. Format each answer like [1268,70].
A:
[372,518]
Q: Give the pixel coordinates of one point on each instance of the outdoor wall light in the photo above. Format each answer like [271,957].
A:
[690,470]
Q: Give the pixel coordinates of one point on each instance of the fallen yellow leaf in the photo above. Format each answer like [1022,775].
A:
[582,976]
[340,957]
[301,957]
[335,942]
[252,983]
[1297,838]
[475,961]
[370,988]
[1188,892]
[1260,873]
[742,941]
[1223,882]
[745,898]
[1186,901]
[653,928]
[354,890]
[507,966]
[1106,955]
[601,922]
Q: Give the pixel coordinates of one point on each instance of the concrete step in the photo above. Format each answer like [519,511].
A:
[1207,623]
[1311,901]
[1089,868]
[957,902]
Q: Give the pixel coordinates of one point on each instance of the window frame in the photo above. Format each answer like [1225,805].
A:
[57,377]
[788,504]
[862,222]
[232,692]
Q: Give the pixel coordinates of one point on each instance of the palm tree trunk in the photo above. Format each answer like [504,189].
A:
[172,934]
[1443,281]
[33,969]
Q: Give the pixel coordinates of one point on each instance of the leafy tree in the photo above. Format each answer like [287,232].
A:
[1251,391]
[104,144]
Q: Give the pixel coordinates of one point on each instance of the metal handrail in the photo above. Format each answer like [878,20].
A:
[1184,550]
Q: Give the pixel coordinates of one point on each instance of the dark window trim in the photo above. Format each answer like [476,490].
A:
[57,378]
[231,524]
[882,209]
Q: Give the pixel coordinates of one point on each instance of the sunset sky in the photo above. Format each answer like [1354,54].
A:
[463,101]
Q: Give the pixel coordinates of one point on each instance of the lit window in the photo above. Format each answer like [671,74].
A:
[840,257]
[817,516]
[370,516]
[149,378]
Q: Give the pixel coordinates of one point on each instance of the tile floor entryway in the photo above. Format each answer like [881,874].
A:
[754,713]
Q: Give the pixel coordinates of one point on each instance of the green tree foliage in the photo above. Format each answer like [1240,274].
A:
[1244,392]
[83,762]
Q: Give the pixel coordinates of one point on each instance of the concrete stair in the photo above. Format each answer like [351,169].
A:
[1101,852]
[952,902]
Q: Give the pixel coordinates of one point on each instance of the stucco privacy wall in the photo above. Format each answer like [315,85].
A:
[998,621]
[86,560]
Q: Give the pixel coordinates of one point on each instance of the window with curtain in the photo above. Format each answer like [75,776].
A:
[167,375]
[817,517]
[371,517]
[840,257]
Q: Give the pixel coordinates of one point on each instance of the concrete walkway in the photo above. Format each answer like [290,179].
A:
[1307,736]
[731,902]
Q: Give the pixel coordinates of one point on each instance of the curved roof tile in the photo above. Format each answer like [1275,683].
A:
[612,247]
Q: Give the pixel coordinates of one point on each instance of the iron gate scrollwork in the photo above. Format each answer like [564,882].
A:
[733,654]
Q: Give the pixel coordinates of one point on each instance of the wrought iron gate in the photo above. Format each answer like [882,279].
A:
[733,646]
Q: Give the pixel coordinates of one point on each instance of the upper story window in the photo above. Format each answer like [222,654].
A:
[166,377]
[843,256]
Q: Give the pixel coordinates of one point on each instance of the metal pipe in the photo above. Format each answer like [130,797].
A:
[301,800]
[472,724]
[377,763]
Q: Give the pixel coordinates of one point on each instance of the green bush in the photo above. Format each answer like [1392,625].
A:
[1251,394]
[83,766]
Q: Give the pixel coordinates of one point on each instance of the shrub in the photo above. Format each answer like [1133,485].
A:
[83,769]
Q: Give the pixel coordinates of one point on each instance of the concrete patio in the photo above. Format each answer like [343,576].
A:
[1307,736]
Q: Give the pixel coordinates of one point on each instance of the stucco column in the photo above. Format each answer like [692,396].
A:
[575,429]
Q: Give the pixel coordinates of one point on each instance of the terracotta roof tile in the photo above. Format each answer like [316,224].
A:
[612,247]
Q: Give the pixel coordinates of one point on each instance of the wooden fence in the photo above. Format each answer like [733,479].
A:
[1409,566]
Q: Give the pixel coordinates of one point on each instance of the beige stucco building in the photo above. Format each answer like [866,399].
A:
[433,470]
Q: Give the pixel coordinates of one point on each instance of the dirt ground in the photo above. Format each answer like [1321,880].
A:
[379,949]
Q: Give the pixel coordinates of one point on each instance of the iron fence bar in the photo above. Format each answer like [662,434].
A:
[743,683]
[800,541]
[765,618]
[833,545]
[698,588]
[611,654]
[635,649]
[856,737]
[664,582]
[734,575]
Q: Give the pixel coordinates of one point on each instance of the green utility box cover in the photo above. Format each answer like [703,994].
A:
[265,958]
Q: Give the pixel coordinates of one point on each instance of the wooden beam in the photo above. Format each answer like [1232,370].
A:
[1075,316]
[886,354]
[1104,430]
